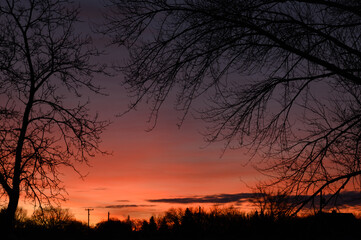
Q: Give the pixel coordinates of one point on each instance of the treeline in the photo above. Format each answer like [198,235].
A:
[189,223]
[231,223]
[46,223]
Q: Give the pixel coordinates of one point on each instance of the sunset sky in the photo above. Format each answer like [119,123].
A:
[148,172]
[145,167]
[167,162]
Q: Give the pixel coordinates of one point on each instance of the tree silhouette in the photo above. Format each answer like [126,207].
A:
[52,217]
[187,221]
[152,226]
[279,77]
[276,205]
[45,67]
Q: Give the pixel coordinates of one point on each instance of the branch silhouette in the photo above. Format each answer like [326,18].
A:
[281,78]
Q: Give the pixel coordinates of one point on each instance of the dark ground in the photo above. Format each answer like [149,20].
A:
[193,225]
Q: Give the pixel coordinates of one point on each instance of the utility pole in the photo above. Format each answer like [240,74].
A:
[321,201]
[89,209]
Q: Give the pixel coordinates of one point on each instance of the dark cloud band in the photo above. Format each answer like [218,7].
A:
[349,198]
[218,198]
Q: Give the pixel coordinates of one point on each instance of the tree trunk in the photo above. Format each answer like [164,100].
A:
[9,223]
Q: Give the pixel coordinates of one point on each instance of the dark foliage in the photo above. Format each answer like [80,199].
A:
[113,229]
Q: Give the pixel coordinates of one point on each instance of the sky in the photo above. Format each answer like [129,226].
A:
[148,172]
[145,167]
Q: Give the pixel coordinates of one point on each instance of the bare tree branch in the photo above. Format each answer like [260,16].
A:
[279,77]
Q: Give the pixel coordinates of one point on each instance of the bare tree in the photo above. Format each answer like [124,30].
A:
[45,66]
[273,204]
[279,77]
[52,217]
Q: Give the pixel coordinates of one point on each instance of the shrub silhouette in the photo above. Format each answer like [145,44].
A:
[113,229]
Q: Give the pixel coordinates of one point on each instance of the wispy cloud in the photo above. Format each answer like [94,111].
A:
[218,198]
[100,189]
[126,206]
